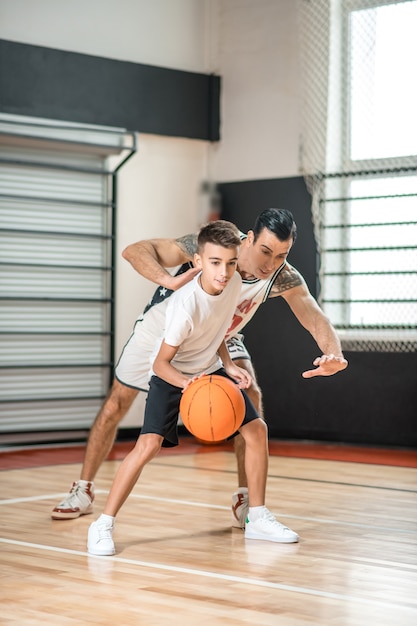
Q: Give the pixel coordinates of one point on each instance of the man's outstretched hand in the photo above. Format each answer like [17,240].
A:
[326,365]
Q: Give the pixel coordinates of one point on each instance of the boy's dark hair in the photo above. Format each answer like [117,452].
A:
[278,221]
[221,233]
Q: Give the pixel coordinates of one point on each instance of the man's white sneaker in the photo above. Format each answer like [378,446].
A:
[267,528]
[100,538]
[240,505]
[79,501]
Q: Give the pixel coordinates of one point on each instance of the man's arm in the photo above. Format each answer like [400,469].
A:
[292,287]
[150,258]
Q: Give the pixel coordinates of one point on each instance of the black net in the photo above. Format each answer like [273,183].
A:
[358,155]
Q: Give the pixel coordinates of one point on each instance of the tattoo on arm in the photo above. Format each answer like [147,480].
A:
[286,279]
[188,244]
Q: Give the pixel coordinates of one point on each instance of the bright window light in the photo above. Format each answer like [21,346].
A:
[383,84]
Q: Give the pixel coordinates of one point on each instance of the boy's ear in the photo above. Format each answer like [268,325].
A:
[197,261]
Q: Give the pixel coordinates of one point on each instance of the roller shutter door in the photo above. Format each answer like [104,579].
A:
[56,275]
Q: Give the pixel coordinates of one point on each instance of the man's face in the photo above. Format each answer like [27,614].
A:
[266,254]
[218,265]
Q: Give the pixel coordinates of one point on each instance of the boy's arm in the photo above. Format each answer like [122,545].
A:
[150,258]
[242,377]
[163,368]
[223,353]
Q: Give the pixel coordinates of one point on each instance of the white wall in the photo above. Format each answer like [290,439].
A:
[252,44]
[255,50]
[168,33]
[159,186]
[159,197]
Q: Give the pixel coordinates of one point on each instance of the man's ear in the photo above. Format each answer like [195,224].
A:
[197,261]
[250,237]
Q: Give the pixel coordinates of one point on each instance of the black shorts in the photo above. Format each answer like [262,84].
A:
[162,407]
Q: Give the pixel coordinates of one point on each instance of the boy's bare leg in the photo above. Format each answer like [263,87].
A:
[255,435]
[260,523]
[100,534]
[255,395]
[146,448]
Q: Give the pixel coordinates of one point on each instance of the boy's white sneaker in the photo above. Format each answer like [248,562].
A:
[79,501]
[100,538]
[267,528]
[240,506]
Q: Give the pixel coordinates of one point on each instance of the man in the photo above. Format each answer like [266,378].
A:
[197,318]
[265,274]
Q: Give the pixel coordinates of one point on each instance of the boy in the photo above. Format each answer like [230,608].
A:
[197,318]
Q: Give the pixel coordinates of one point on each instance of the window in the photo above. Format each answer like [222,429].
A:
[364,181]
[382,49]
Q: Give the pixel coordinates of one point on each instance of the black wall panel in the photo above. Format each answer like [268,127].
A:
[373,402]
[44,82]
[243,201]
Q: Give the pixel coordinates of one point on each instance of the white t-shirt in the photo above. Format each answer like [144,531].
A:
[197,322]
[253,293]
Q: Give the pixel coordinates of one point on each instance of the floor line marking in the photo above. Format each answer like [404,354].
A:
[217,576]
[219,507]
[297,478]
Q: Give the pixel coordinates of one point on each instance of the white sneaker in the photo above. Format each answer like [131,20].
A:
[240,505]
[79,501]
[100,538]
[268,528]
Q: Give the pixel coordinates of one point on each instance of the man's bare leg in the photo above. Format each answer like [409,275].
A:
[80,499]
[103,431]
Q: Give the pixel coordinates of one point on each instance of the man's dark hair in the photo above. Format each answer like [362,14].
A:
[278,221]
[219,232]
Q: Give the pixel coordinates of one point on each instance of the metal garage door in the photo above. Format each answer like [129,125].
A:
[56,272]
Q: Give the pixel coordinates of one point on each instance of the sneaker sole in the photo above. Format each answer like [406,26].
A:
[259,537]
[103,553]
[236,524]
[70,513]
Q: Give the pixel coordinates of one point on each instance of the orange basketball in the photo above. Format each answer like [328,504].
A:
[212,408]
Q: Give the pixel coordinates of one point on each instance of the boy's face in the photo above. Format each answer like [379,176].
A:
[218,264]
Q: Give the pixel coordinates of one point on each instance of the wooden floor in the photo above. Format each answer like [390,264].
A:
[179,561]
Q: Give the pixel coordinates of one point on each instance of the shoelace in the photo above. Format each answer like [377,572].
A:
[75,492]
[104,531]
[270,520]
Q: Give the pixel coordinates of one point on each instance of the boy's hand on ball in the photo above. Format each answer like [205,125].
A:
[241,376]
[212,407]
[188,381]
